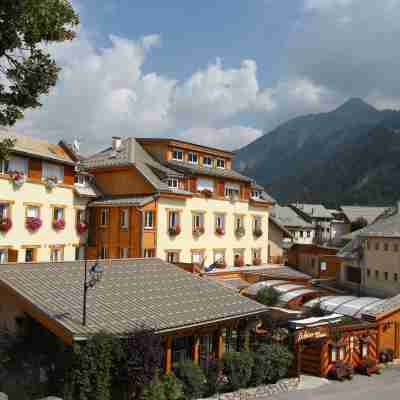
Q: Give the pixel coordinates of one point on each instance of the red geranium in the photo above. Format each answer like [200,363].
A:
[5,224]
[82,227]
[33,223]
[220,231]
[59,224]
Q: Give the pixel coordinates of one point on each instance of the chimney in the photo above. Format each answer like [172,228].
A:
[116,143]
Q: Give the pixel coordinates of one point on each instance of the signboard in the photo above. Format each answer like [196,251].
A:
[307,334]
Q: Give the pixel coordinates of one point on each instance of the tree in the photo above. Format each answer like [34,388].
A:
[26,68]
[6,146]
[268,296]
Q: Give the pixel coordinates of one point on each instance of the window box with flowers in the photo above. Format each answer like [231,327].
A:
[33,223]
[198,230]
[51,182]
[5,224]
[81,227]
[59,224]
[219,231]
[257,232]
[174,230]
[18,178]
[240,231]
[239,261]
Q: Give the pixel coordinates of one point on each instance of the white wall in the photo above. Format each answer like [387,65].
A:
[209,240]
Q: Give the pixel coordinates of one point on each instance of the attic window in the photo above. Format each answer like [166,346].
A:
[177,155]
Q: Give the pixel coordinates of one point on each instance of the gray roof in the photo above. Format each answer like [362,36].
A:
[132,293]
[122,201]
[278,224]
[279,272]
[353,213]
[288,218]
[313,210]
[88,190]
[384,307]
[387,225]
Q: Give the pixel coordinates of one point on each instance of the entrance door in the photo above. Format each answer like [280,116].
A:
[206,351]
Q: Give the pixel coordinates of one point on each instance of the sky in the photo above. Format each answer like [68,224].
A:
[219,73]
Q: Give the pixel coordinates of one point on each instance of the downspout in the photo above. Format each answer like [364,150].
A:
[141,240]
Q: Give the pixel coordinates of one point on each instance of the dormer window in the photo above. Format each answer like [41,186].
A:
[256,194]
[173,183]
[177,155]
[220,163]
[207,161]
[192,158]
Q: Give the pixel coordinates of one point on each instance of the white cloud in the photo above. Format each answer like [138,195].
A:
[325,4]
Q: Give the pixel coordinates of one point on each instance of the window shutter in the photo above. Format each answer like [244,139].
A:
[12,256]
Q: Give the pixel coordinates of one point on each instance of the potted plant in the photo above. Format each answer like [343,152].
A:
[207,193]
[18,178]
[5,224]
[198,231]
[257,232]
[257,261]
[239,261]
[33,223]
[51,182]
[220,231]
[174,230]
[368,367]
[59,224]
[340,371]
[240,231]
[81,227]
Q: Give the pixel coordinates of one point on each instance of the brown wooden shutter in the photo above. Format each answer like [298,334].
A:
[12,256]
[69,175]
[193,185]
[221,188]
[35,169]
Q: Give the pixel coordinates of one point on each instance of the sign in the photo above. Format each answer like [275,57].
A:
[323,266]
[307,334]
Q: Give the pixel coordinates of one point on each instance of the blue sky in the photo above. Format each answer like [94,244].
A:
[220,72]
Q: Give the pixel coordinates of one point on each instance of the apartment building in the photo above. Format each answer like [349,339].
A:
[178,201]
[42,202]
[371,261]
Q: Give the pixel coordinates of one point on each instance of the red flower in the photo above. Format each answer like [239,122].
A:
[220,231]
[82,227]
[5,224]
[59,224]
[33,223]
[175,230]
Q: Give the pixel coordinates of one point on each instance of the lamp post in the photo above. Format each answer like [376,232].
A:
[95,275]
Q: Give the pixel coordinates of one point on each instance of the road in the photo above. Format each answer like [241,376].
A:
[383,387]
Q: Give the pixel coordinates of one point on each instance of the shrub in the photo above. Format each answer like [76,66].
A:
[191,376]
[173,390]
[213,378]
[154,390]
[268,296]
[276,360]
[237,368]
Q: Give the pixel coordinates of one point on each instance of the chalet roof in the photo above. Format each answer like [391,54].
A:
[288,218]
[279,272]
[293,294]
[313,210]
[370,214]
[30,146]
[276,223]
[384,307]
[132,293]
[387,225]
[122,201]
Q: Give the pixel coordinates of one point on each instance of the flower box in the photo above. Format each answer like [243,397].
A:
[33,224]
[368,367]
[82,227]
[257,232]
[51,182]
[198,231]
[59,224]
[207,193]
[239,262]
[240,231]
[18,178]
[5,224]
[220,231]
[174,230]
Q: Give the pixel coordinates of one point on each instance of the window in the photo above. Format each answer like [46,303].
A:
[256,194]
[50,170]
[32,211]
[338,353]
[104,216]
[103,253]
[396,247]
[4,166]
[368,272]
[18,164]
[205,184]
[308,234]
[4,210]
[58,213]
[219,256]
[148,219]
[386,276]
[256,253]
[220,163]
[386,247]
[173,219]
[30,255]
[3,256]
[301,234]
[192,158]
[198,221]
[257,223]
[124,252]
[207,161]
[376,274]
[239,222]
[220,221]
[79,252]
[56,254]
[364,349]
[232,190]
[82,180]
[172,256]
[149,253]
[377,246]
[173,183]
[395,276]
[231,340]
[182,349]
[124,218]
[80,216]
[177,155]
[197,257]
[353,274]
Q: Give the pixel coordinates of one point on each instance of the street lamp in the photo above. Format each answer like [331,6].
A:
[95,275]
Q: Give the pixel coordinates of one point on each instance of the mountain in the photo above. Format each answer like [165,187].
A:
[348,155]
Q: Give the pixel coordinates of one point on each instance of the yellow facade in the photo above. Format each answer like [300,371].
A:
[43,240]
[186,243]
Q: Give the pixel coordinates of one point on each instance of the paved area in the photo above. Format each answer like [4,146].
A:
[385,387]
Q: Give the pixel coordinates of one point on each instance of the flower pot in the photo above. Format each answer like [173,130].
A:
[220,231]
[59,224]
[5,224]
[33,224]
[18,178]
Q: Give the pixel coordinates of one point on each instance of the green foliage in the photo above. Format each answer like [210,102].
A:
[26,67]
[238,368]
[192,378]
[213,378]
[268,296]
[173,390]
[272,362]
[6,147]
[154,390]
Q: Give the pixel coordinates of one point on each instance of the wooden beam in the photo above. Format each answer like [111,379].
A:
[196,349]
[219,343]
[168,354]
